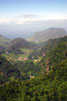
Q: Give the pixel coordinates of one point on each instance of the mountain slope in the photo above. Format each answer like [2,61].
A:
[50,33]
[4,44]
[50,85]
[7,70]
[21,43]
[51,52]
[4,41]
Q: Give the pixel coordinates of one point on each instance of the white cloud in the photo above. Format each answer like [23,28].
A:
[28,18]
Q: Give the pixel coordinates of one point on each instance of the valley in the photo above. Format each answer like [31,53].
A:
[33,50]
[33,71]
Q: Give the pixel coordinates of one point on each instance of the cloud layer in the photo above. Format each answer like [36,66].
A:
[28,18]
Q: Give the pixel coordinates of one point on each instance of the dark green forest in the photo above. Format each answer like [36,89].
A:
[41,77]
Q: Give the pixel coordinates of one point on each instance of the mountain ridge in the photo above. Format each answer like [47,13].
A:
[50,33]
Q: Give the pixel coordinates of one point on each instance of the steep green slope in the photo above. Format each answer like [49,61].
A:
[4,44]
[4,41]
[55,51]
[51,52]
[9,71]
[46,47]
[41,60]
[48,87]
[28,67]
[51,82]
[20,43]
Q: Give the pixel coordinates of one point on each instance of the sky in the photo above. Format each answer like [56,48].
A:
[25,11]
[22,18]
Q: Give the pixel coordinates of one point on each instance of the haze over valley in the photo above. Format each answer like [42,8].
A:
[28,28]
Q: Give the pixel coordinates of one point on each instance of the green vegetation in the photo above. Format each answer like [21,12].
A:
[9,72]
[13,58]
[38,74]
[49,87]
[28,67]
[4,42]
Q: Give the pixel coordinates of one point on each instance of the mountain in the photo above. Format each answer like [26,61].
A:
[7,70]
[50,33]
[4,44]
[27,29]
[51,53]
[55,52]
[19,43]
[49,85]
[4,41]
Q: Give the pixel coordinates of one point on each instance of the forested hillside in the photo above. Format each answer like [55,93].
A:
[33,50]
[38,74]
[48,87]
[4,41]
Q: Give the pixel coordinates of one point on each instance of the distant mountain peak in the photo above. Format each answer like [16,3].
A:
[50,33]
